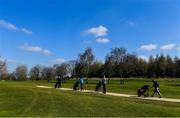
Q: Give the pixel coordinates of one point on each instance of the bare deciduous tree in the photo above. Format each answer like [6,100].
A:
[36,72]
[3,69]
[21,72]
[48,73]
[85,60]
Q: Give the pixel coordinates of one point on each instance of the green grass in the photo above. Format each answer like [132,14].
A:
[168,87]
[25,99]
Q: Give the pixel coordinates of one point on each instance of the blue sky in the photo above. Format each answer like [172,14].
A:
[53,31]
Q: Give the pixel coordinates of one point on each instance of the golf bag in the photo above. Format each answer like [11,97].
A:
[143,91]
[75,87]
[98,86]
[57,85]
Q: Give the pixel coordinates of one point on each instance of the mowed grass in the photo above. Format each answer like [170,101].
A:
[25,99]
[170,88]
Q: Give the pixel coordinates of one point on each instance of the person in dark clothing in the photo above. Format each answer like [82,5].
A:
[156,88]
[58,83]
[104,84]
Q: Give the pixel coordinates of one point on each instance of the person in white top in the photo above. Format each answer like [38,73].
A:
[104,81]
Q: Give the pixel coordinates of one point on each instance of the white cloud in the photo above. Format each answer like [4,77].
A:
[38,49]
[58,61]
[10,26]
[30,48]
[148,47]
[7,25]
[102,40]
[168,46]
[46,52]
[97,31]
[26,31]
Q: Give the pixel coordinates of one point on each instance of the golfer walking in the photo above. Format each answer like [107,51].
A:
[81,81]
[104,81]
[156,88]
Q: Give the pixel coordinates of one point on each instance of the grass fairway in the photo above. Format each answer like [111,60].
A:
[25,99]
[169,88]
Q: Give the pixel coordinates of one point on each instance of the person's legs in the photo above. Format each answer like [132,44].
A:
[60,86]
[57,86]
[154,92]
[81,85]
[159,92]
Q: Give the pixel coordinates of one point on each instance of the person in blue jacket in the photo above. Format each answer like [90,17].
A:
[81,82]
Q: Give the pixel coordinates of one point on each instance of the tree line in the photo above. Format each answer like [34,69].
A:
[118,63]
